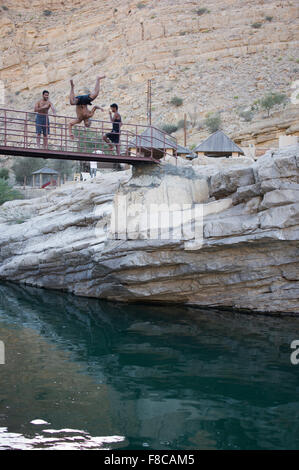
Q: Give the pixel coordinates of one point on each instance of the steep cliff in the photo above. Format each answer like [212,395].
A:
[246,255]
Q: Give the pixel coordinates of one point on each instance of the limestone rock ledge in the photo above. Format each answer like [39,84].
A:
[248,257]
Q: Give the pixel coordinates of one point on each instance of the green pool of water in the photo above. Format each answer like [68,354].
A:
[105,375]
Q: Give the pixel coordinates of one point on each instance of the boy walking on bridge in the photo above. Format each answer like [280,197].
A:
[81,102]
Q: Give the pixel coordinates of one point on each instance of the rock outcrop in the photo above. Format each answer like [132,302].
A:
[247,257]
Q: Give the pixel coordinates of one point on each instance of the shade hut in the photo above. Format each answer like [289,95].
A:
[183,152]
[152,142]
[218,145]
[47,174]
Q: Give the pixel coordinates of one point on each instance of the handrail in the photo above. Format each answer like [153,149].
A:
[93,120]
[18,128]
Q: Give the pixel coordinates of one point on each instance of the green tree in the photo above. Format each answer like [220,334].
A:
[169,128]
[272,99]
[176,101]
[4,173]
[181,124]
[25,166]
[7,193]
[247,115]
[88,141]
[64,167]
[213,122]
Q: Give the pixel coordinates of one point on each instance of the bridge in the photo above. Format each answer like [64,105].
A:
[137,143]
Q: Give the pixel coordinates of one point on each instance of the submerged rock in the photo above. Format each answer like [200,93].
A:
[231,239]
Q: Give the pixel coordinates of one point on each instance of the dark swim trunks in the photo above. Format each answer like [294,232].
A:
[115,133]
[84,99]
[113,137]
[42,124]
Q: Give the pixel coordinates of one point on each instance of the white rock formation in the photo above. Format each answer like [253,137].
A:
[247,259]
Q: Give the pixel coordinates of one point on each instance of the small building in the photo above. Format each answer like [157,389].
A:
[183,152]
[218,145]
[152,142]
[46,176]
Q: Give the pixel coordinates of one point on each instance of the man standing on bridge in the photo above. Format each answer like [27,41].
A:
[42,119]
[81,102]
[114,135]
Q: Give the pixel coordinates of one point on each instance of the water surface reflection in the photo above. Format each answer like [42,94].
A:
[136,376]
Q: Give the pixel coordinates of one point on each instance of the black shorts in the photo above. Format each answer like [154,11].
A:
[114,137]
[84,99]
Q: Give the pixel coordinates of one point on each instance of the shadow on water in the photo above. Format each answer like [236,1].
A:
[161,377]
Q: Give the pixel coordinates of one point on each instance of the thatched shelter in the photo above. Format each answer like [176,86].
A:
[45,174]
[218,145]
[153,142]
[183,151]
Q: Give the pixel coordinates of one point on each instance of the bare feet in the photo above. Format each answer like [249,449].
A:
[101,78]
[72,83]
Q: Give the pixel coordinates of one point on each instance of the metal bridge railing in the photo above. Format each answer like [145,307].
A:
[18,130]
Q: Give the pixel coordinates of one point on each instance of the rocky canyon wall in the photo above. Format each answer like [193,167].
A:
[217,55]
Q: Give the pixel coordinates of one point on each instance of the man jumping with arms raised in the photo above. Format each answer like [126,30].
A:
[81,102]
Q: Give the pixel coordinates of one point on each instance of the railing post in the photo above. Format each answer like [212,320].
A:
[26,131]
[55,132]
[65,124]
[5,128]
[152,150]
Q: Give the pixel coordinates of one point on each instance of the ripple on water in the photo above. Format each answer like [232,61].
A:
[64,440]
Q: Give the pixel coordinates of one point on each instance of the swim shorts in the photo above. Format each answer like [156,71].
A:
[84,99]
[113,137]
[42,124]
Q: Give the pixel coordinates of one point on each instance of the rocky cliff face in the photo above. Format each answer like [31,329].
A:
[247,257]
[217,55]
